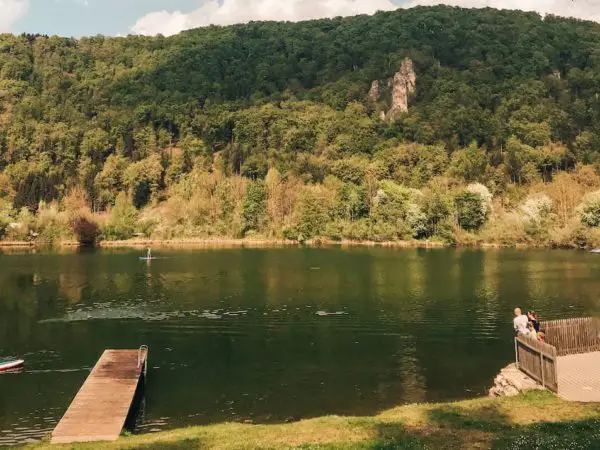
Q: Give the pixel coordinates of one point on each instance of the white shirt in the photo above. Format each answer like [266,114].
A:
[520,324]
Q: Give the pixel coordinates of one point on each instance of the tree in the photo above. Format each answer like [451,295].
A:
[469,164]
[255,167]
[143,179]
[351,170]
[255,206]
[312,214]
[110,181]
[397,206]
[122,220]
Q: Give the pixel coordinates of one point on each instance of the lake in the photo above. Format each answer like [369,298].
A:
[273,335]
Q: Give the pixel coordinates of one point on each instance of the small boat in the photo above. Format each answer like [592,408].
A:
[10,364]
[596,250]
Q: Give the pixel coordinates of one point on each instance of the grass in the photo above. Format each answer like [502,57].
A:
[535,420]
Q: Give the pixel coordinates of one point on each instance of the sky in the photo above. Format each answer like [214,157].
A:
[121,17]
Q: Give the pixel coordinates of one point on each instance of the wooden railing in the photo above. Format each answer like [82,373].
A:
[573,336]
[538,360]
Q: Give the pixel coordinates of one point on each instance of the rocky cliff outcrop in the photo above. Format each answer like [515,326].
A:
[403,86]
[374,92]
[396,91]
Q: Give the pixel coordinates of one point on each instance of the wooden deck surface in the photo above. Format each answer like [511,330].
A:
[101,406]
[579,377]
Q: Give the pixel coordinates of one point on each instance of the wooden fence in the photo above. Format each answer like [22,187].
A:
[573,336]
[538,360]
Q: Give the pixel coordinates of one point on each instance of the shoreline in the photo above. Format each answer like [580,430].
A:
[484,422]
[222,243]
[263,243]
[266,243]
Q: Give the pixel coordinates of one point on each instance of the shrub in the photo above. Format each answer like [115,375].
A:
[122,220]
[470,210]
[537,208]
[147,226]
[589,210]
[85,228]
[24,228]
[3,226]
[382,231]
[51,225]
[417,220]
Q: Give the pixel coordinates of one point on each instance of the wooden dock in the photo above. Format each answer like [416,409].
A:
[101,406]
[568,363]
[579,377]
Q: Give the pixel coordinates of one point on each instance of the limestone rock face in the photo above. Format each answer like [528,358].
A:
[374,92]
[395,92]
[403,86]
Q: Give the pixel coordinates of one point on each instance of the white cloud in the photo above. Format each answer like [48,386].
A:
[227,12]
[581,9]
[10,12]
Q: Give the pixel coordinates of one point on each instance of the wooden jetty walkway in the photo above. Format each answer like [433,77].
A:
[569,362]
[101,406]
[579,377]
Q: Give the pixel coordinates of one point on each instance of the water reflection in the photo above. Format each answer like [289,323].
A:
[273,335]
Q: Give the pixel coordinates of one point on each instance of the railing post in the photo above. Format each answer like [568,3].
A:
[516,353]
[542,368]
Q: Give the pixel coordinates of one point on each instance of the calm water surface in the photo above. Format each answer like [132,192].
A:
[277,334]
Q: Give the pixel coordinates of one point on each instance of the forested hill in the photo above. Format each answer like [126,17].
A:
[501,97]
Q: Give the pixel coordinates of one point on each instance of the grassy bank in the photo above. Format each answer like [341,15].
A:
[532,420]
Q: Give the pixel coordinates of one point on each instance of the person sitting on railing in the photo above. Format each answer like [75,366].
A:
[532,316]
[520,323]
[541,337]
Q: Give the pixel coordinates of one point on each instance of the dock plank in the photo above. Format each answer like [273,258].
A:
[579,377]
[100,408]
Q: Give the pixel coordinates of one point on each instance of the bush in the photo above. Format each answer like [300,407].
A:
[470,212]
[86,229]
[51,225]
[25,228]
[589,210]
[417,220]
[122,220]
[147,226]
[537,208]
[3,226]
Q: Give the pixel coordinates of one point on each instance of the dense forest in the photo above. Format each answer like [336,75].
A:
[271,130]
